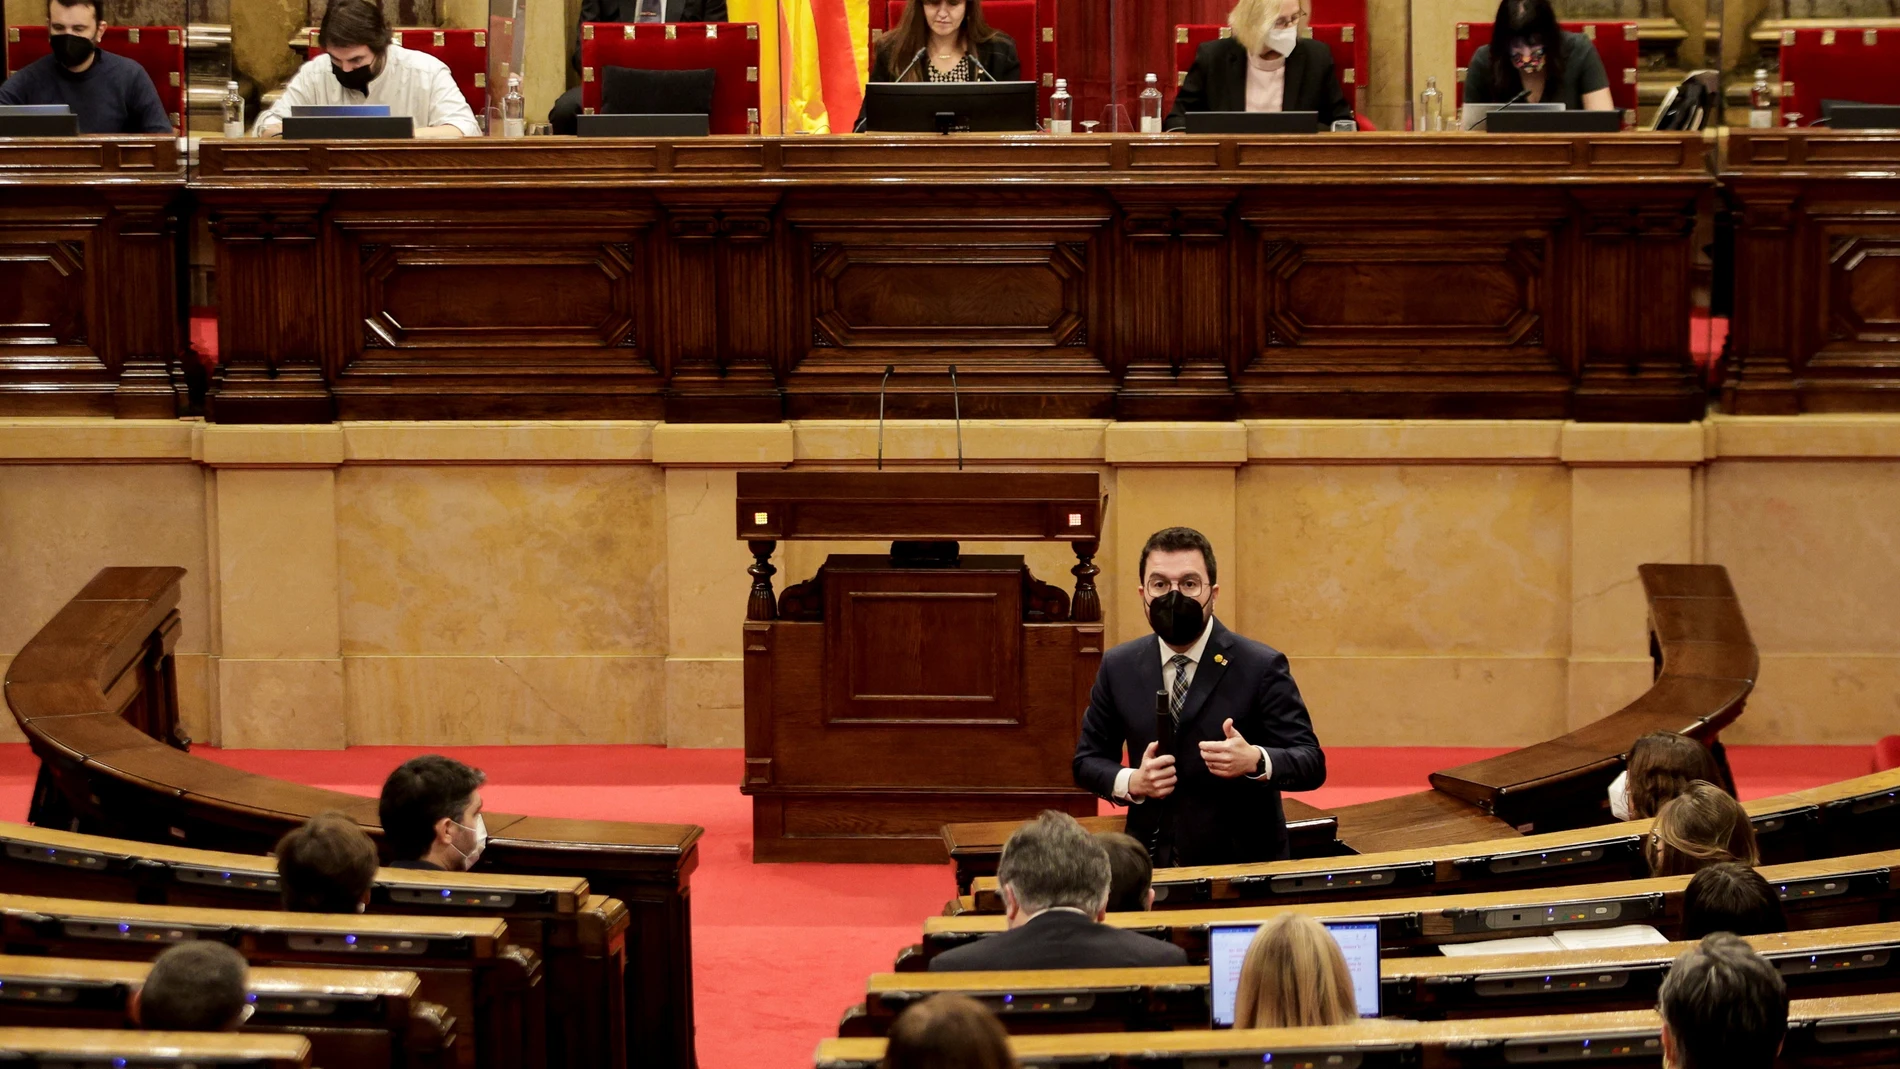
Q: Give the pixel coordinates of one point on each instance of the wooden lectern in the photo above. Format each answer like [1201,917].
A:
[891,694]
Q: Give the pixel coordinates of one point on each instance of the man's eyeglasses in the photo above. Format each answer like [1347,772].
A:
[1191,585]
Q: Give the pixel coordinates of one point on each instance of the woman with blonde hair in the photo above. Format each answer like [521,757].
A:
[947,1032]
[1700,827]
[1265,65]
[1293,976]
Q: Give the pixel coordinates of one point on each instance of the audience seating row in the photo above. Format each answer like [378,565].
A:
[353,1019]
[581,938]
[103,665]
[1705,668]
[1856,889]
[469,965]
[72,1048]
[1852,816]
[1852,1030]
[1827,962]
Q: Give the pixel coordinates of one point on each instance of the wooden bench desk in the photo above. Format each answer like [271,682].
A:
[466,963]
[354,1019]
[157,1050]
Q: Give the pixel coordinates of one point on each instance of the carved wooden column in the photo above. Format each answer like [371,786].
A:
[1633,260]
[1172,312]
[146,336]
[721,259]
[1086,606]
[1763,333]
[271,295]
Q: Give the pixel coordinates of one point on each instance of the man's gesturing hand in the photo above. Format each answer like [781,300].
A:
[1232,756]
[1155,777]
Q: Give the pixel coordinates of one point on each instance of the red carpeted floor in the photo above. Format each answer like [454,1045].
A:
[780,950]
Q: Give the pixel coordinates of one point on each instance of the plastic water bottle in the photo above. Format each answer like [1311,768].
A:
[233,111]
[1061,109]
[1761,103]
[1431,106]
[514,110]
[1151,107]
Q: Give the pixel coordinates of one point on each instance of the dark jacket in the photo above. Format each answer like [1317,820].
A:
[1060,939]
[1208,820]
[1218,82]
[997,55]
[626,10]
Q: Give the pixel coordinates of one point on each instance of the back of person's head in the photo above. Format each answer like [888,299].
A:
[421,792]
[1294,975]
[326,866]
[1661,765]
[947,1032]
[1053,861]
[349,23]
[1726,897]
[1723,1007]
[194,987]
[1130,872]
[1700,827]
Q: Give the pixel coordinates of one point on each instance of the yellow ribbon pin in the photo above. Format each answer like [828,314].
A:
[1219,659]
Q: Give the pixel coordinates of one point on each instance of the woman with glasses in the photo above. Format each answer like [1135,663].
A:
[1265,66]
[1531,56]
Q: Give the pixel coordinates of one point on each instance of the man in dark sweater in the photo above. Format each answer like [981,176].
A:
[110,94]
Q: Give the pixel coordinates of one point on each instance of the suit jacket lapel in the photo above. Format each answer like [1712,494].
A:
[1233,79]
[1207,674]
[1294,98]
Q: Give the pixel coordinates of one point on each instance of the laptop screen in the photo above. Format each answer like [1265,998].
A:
[1227,948]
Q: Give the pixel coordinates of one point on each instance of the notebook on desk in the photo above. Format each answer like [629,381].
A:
[1623,935]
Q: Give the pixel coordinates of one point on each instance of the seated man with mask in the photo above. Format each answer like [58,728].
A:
[362,64]
[566,112]
[431,810]
[110,94]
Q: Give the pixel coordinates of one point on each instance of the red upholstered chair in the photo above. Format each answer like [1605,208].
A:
[1346,43]
[731,49]
[465,52]
[1847,63]
[159,49]
[1615,43]
[1030,23]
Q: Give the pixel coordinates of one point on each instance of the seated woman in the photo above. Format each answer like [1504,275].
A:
[1265,66]
[1531,54]
[1294,975]
[1700,827]
[1660,765]
[944,41]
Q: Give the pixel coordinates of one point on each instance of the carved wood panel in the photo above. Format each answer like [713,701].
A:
[506,300]
[884,296]
[44,289]
[1860,320]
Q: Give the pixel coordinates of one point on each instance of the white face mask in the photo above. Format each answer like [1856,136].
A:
[1283,41]
[481,842]
[1620,797]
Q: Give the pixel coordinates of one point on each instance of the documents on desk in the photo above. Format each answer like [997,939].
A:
[1623,935]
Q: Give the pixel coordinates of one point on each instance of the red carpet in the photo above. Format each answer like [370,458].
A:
[780,950]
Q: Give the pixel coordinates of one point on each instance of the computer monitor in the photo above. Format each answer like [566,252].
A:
[1849,115]
[348,127]
[685,124]
[1513,121]
[1474,116]
[1227,947]
[38,120]
[339,111]
[949,107]
[1252,122]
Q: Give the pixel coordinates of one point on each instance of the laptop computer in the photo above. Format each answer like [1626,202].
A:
[1849,115]
[38,120]
[1252,122]
[672,125]
[1227,947]
[1476,116]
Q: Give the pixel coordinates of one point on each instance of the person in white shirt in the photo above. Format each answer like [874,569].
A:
[362,64]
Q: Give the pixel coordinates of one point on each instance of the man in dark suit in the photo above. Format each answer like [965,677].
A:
[1242,734]
[1054,877]
[567,109]
[1264,66]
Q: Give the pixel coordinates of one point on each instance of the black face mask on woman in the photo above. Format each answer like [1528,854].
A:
[358,79]
[71,50]
[1177,618]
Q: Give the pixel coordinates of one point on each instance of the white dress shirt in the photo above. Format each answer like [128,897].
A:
[1193,654]
[415,84]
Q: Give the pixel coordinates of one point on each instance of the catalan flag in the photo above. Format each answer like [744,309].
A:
[823,59]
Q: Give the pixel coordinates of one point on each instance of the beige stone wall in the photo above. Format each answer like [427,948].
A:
[1449,583]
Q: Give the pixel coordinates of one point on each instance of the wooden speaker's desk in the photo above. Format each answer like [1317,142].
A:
[754,279]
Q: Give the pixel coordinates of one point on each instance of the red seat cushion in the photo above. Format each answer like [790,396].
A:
[731,49]
[1344,40]
[1847,63]
[1030,23]
[464,51]
[1615,43]
[159,49]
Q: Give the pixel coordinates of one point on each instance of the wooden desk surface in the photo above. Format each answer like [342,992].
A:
[488,931]
[273,980]
[52,1042]
[68,161]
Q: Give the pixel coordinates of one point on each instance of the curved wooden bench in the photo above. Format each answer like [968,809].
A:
[94,692]
[154,1050]
[1706,665]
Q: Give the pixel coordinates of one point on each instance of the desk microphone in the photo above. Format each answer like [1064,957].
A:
[914,60]
[980,68]
[956,409]
[888,368]
[1486,117]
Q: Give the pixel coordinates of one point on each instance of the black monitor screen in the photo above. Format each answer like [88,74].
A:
[950,107]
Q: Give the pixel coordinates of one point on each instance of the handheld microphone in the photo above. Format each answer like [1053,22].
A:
[1161,842]
[980,68]
[888,368]
[914,60]
[1521,94]
[956,409]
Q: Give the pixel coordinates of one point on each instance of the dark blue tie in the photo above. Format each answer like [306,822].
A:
[1179,662]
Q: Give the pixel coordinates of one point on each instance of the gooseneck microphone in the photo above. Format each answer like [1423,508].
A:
[1486,117]
[980,68]
[888,368]
[956,409]
[914,60]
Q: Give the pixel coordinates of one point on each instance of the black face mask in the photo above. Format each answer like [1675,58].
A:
[1177,618]
[357,79]
[71,49]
